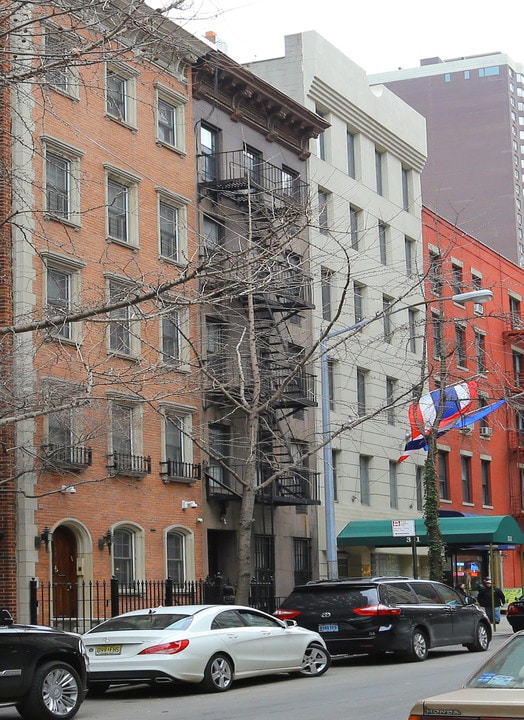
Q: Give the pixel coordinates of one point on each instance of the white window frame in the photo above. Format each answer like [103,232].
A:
[130,183]
[177,102]
[70,85]
[71,268]
[178,203]
[126,315]
[180,362]
[188,551]
[138,551]
[128,77]
[72,156]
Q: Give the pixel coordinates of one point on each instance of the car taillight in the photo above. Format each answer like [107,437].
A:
[170,648]
[378,609]
[286,614]
[512,609]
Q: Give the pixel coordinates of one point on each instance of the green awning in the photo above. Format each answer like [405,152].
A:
[471,530]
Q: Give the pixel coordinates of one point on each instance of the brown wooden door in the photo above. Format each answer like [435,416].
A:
[64,573]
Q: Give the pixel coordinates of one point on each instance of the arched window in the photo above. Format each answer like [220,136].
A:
[175,555]
[123,552]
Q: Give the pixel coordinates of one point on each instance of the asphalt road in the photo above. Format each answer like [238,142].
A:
[354,688]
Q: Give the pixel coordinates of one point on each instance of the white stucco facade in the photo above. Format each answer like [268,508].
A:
[370,128]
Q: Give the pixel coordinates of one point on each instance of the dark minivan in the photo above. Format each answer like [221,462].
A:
[387,614]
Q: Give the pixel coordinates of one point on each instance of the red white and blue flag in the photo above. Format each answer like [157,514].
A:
[449,405]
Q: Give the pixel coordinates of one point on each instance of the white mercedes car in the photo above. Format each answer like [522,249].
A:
[207,644]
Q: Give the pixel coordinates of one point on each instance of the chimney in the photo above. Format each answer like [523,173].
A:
[211,37]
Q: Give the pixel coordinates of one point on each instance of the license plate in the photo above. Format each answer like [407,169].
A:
[108,649]
[328,627]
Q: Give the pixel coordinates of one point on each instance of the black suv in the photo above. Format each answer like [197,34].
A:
[42,671]
[382,614]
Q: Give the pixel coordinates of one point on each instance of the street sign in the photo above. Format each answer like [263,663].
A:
[403,528]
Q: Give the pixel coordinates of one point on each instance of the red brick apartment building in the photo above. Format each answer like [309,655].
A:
[103,180]
[481,471]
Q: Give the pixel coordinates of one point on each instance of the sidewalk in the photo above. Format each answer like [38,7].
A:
[503,628]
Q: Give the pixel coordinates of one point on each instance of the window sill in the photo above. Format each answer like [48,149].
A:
[64,93]
[72,341]
[63,221]
[123,123]
[122,243]
[173,148]
[171,261]
[123,356]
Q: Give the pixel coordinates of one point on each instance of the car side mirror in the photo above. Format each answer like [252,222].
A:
[290,623]
[469,600]
[6,618]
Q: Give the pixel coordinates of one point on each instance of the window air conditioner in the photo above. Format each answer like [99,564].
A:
[478,308]
[466,430]
[485,431]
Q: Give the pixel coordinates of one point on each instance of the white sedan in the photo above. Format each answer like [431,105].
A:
[207,644]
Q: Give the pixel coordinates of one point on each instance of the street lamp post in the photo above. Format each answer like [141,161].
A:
[477,296]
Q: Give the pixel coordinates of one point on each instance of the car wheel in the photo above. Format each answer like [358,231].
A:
[55,693]
[218,675]
[481,641]
[97,689]
[315,662]
[419,647]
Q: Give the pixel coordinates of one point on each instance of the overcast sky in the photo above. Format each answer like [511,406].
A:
[378,35]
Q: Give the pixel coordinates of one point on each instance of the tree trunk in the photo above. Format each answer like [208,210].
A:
[431,511]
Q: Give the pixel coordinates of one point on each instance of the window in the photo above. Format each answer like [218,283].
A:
[253,164]
[291,184]
[350,142]
[460,340]
[379,172]
[412,330]
[209,150]
[323,219]
[123,324]
[457,284]
[335,454]
[59,292]
[59,73]
[514,310]
[388,323]
[174,441]
[123,554]
[170,119]
[172,216]
[405,188]
[219,441]
[485,474]
[172,337]
[518,368]
[480,352]
[122,207]
[390,399]
[419,487]
[122,435]
[121,94]
[62,180]
[409,252]
[465,471]
[393,485]
[364,462]
[326,277]
[354,226]
[216,356]
[264,558]
[358,301]
[125,457]
[382,242]
[302,560]
[489,71]
[443,474]
[436,333]
[175,556]
[361,392]
[60,429]
[435,273]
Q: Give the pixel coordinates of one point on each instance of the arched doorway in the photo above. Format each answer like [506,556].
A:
[65,592]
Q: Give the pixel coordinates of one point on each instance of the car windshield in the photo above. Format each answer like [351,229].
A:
[152,621]
[331,598]
[504,669]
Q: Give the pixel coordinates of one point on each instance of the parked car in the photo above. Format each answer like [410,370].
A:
[383,614]
[42,671]
[515,614]
[495,690]
[207,644]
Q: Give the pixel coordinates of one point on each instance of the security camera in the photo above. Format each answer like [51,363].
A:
[68,489]
[189,504]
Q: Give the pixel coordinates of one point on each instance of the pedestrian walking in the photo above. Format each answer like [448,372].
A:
[491,597]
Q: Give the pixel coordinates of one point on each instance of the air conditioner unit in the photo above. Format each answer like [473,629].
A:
[485,432]
[478,308]
[466,430]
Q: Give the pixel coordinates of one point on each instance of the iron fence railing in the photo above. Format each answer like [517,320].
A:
[80,606]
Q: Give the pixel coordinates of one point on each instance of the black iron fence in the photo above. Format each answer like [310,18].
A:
[80,606]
